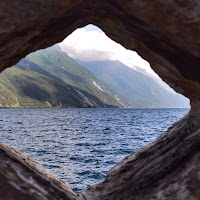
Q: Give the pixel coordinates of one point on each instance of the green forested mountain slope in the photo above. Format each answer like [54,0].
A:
[49,78]
[23,88]
[60,66]
[139,89]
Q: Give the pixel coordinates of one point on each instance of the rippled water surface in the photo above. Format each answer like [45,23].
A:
[81,145]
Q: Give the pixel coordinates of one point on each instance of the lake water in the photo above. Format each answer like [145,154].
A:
[81,145]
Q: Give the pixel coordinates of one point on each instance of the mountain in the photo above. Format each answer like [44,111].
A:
[49,78]
[23,88]
[157,79]
[60,66]
[138,89]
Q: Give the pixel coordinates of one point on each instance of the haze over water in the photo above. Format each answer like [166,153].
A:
[81,145]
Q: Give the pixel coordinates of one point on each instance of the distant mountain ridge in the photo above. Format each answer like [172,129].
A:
[138,89]
[59,64]
[49,78]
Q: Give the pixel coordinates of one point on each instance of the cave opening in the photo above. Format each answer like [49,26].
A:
[71,154]
[166,34]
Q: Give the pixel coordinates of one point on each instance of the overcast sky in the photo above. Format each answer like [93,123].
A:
[90,43]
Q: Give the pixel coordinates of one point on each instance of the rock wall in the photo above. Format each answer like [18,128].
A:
[165,33]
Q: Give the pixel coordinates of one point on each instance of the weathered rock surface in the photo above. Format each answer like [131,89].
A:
[165,33]
[24,179]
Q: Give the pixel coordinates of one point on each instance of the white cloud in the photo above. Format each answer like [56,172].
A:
[95,45]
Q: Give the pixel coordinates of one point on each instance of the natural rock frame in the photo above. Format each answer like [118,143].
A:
[166,34]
